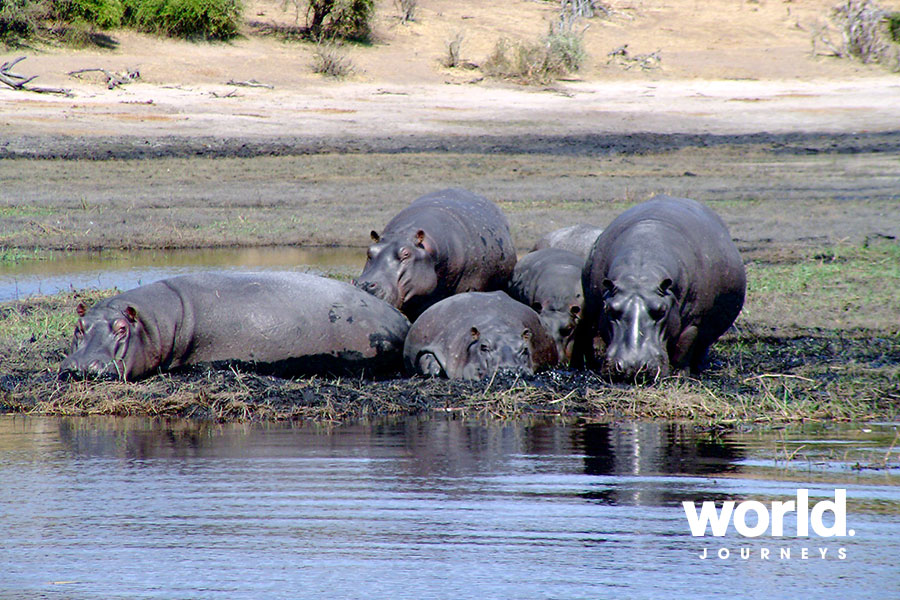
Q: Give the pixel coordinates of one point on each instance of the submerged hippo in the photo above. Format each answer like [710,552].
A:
[288,323]
[442,244]
[549,281]
[661,284]
[578,239]
[472,335]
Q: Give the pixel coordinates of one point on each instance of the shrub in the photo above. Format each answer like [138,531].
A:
[559,53]
[867,33]
[407,9]
[207,19]
[454,51]
[348,19]
[102,13]
[329,59]
[20,19]
[893,23]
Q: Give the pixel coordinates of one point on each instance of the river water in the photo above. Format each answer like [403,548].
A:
[431,507]
[125,270]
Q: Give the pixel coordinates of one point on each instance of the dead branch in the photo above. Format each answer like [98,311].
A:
[113,80]
[17,82]
[251,83]
[621,57]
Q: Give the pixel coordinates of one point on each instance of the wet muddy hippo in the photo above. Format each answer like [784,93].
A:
[285,323]
[472,335]
[663,281]
[578,239]
[549,281]
[444,243]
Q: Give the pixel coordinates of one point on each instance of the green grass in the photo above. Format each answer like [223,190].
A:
[843,287]
[12,256]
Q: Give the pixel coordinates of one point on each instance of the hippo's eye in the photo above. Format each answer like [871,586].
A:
[404,254]
[657,313]
[484,348]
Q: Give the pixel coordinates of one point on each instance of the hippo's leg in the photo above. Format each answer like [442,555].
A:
[428,364]
[682,355]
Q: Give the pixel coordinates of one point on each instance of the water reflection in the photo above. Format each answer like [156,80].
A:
[126,270]
[424,507]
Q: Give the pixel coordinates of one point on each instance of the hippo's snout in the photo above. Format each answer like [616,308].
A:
[95,369]
[636,368]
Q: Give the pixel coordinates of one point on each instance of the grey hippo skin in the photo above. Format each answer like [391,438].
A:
[661,284]
[578,239]
[284,323]
[444,243]
[549,281]
[472,335]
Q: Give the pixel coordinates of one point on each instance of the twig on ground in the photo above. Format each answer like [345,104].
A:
[113,80]
[250,83]
[17,82]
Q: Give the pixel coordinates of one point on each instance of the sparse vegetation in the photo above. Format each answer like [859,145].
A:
[407,9]
[866,31]
[560,53]
[331,60]
[454,51]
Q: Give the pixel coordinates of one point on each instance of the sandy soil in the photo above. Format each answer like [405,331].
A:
[727,68]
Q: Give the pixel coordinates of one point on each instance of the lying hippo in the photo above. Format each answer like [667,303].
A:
[472,335]
[661,284]
[288,323]
[578,239]
[549,281]
[442,244]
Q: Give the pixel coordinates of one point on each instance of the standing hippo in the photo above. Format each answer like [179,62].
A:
[578,239]
[661,284]
[287,323]
[472,335]
[442,244]
[549,281]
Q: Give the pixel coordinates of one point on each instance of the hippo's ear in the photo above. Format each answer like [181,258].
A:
[537,307]
[526,334]
[81,309]
[423,242]
[475,334]
[130,314]
[664,285]
[375,237]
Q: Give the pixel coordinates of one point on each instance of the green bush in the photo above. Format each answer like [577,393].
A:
[207,19]
[893,22]
[102,13]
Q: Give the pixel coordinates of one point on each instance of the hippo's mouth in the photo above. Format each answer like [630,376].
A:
[639,374]
[111,371]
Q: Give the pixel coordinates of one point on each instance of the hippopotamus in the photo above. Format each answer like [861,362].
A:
[578,239]
[474,334]
[444,243]
[663,281]
[549,281]
[282,323]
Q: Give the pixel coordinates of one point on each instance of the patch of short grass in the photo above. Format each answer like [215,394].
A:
[843,287]
[12,256]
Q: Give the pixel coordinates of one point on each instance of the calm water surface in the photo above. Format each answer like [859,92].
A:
[428,507]
[126,270]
